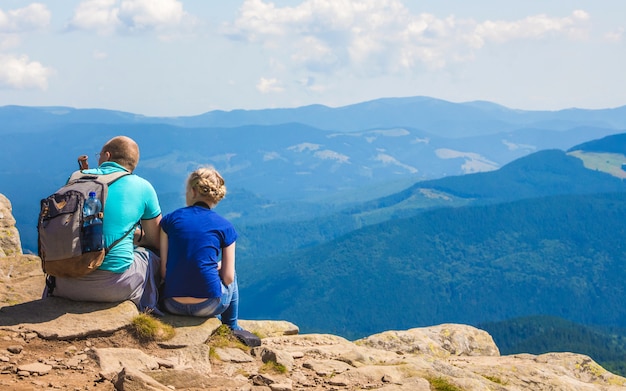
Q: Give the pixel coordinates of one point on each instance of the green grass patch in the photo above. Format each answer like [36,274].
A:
[494,379]
[273,367]
[223,337]
[441,384]
[148,328]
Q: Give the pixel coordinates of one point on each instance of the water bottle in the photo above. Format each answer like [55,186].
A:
[92,239]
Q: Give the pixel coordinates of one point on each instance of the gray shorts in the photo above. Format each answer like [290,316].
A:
[139,283]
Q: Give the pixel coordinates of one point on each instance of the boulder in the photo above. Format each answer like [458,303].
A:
[10,243]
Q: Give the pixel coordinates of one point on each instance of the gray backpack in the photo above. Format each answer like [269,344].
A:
[60,226]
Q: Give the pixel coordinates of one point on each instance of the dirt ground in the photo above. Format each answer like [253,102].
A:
[73,368]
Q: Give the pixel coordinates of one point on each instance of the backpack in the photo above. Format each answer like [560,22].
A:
[60,226]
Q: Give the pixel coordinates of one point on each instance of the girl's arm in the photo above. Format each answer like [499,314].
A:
[163,242]
[227,271]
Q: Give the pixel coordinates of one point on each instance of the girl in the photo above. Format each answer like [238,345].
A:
[197,282]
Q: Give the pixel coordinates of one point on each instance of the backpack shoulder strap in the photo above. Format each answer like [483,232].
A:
[108,179]
[112,177]
[106,250]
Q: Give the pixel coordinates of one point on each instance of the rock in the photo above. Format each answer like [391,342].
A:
[441,341]
[35,368]
[193,358]
[15,349]
[21,279]
[186,380]
[114,360]
[263,379]
[281,386]
[327,367]
[269,328]
[57,318]
[326,346]
[189,330]
[10,243]
[132,380]
[233,355]
[279,357]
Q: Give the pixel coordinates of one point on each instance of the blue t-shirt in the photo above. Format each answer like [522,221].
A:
[196,236]
[129,199]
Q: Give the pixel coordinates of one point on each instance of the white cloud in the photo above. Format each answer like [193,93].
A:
[151,14]
[532,27]
[108,16]
[99,55]
[96,15]
[615,36]
[21,73]
[13,23]
[33,17]
[8,41]
[375,37]
[267,86]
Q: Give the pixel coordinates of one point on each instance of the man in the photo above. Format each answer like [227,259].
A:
[128,272]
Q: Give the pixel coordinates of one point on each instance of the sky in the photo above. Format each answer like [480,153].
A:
[184,57]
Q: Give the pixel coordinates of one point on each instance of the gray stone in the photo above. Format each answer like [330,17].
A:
[35,368]
[327,367]
[269,328]
[281,387]
[189,330]
[233,355]
[113,360]
[194,358]
[133,380]
[15,349]
[190,380]
[10,243]
[21,279]
[279,357]
[263,379]
[441,341]
[56,318]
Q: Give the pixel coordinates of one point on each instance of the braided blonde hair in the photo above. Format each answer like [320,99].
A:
[209,185]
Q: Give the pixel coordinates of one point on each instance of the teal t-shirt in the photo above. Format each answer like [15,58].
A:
[130,199]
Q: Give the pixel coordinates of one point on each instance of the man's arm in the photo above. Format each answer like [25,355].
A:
[151,234]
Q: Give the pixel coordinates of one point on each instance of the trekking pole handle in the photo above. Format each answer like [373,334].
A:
[83,164]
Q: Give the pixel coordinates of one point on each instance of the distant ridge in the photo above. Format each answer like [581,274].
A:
[437,116]
[609,144]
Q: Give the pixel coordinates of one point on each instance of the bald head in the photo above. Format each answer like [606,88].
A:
[123,151]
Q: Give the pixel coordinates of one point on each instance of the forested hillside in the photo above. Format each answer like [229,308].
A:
[543,334]
[609,144]
[545,173]
[560,255]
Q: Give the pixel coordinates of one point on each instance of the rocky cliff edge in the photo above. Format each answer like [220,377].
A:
[59,344]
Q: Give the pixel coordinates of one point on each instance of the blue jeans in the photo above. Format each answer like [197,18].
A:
[226,307]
